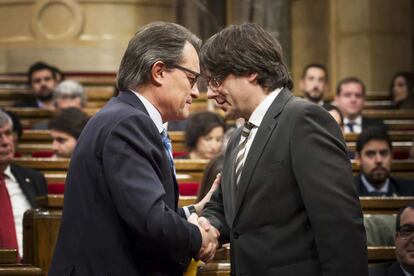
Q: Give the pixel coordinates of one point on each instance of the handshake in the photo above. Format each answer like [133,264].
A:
[209,235]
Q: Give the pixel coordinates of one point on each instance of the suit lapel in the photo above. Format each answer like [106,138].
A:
[263,134]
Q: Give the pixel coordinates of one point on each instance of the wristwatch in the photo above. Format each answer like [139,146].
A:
[191,209]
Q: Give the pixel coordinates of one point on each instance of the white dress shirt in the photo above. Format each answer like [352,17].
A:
[19,203]
[357,125]
[257,117]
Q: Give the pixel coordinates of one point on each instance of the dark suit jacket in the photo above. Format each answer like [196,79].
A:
[32,182]
[386,269]
[120,209]
[30,103]
[295,210]
[397,187]
[372,122]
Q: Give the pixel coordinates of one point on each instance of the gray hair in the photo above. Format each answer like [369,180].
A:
[5,118]
[70,89]
[157,41]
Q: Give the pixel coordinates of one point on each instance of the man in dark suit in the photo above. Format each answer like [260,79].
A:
[350,94]
[404,247]
[374,156]
[18,191]
[42,79]
[120,214]
[286,201]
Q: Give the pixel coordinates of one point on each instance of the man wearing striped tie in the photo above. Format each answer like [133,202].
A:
[286,201]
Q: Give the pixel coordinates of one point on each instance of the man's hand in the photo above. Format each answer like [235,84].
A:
[209,236]
[200,205]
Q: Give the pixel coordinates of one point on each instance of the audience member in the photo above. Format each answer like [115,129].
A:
[350,93]
[402,90]
[69,93]
[18,188]
[314,83]
[374,156]
[404,245]
[42,80]
[204,135]
[65,130]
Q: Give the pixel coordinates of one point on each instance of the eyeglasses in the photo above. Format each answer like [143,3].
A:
[193,79]
[215,82]
[406,231]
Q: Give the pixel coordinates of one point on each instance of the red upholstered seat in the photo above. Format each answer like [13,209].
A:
[178,154]
[188,188]
[56,188]
[42,154]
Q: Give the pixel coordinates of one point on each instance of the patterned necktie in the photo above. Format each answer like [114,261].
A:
[242,149]
[350,126]
[168,148]
[8,238]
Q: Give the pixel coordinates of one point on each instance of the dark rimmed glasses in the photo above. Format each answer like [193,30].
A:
[406,231]
[192,79]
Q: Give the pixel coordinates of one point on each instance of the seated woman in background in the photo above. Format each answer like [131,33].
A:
[213,168]
[204,135]
[402,90]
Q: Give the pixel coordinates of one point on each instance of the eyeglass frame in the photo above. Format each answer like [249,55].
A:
[193,80]
[408,234]
[215,82]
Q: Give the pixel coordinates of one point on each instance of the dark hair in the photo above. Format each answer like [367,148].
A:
[17,126]
[330,107]
[244,49]
[315,65]
[213,168]
[409,79]
[38,66]
[201,124]
[70,120]
[398,220]
[372,133]
[350,80]
[157,41]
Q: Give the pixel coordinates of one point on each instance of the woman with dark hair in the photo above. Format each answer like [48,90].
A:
[204,135]
[213,168]
[402,90]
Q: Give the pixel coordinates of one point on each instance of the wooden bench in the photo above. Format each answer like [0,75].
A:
[9,265]
[384,205]
[395,135]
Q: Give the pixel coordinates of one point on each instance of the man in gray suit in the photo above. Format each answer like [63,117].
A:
[286,202]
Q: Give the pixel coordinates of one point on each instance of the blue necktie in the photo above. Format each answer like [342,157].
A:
[350,126]
[168,148]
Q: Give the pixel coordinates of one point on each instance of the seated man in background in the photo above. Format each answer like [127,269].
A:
[42,79]
[404,266]
[314,83]
[350,97]
[65,130]
[69,93]
[374,156]
[18,188]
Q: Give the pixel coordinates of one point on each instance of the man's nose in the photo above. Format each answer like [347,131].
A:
[211,94]
[194,92]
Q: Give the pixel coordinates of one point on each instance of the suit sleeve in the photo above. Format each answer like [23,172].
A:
[324,175]
[131,158]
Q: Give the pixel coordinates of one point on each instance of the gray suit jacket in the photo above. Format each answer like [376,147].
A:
[295,210]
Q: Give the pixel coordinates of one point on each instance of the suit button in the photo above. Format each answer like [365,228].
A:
[235,235]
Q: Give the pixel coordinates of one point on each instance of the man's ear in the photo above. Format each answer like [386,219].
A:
[157,72]
[252,77]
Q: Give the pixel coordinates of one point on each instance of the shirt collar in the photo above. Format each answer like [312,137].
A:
[8,174]
[152,111]
[260,111]
[406,273]
[357,121]
[371,188]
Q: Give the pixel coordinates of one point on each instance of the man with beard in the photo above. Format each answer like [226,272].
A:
[374,156]
[404,247]
[42,79]
[314,83]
